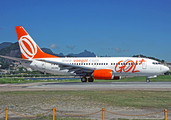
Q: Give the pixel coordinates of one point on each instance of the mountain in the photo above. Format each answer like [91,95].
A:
[13,50]
[5,44]
[83,54]
[47,50]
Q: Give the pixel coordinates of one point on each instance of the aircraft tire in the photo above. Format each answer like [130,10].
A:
[90,79]
[83,79]
[147,80]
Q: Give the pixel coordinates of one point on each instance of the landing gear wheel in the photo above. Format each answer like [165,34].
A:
[147,80]
[90,79]
[83,79]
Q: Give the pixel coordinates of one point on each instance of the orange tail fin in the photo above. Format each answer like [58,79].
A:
[29,49]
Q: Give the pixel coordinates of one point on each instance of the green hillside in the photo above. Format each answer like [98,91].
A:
[13,51]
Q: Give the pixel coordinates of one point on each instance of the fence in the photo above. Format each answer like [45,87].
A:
[103,113]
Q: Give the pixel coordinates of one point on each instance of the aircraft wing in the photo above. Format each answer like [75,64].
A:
[14,58]
[78,70]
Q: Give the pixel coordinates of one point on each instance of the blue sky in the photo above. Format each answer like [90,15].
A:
[105,27]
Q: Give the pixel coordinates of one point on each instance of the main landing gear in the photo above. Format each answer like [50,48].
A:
[147,80]
[84,79]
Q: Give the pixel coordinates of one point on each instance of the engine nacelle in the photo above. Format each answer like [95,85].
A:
[106,74]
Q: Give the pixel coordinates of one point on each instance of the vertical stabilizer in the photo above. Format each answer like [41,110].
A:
[29,49]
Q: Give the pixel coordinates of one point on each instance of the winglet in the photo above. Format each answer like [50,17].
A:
[29,49]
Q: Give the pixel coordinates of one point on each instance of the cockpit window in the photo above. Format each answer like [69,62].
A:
[156,63]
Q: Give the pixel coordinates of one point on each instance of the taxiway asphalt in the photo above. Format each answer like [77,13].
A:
[49,86]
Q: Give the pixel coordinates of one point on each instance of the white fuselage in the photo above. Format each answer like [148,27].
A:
[122,66]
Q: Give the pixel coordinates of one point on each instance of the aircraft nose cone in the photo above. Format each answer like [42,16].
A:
[165,69]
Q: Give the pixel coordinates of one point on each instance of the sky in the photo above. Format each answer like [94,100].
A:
[106,27]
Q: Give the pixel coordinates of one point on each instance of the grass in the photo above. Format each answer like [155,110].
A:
[136,99]
[137,119]
[57,118]
[129,99]
[49,118]
[22,80]
[72,118]
[162,78]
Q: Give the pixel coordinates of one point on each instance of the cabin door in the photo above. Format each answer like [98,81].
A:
[144,65]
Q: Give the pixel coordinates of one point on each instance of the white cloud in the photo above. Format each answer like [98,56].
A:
[54,46]
[117,49]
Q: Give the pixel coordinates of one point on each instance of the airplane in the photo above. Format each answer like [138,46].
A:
[88,68]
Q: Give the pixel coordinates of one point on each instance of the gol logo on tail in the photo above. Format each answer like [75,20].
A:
[27,46]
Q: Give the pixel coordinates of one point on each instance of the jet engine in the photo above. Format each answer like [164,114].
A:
[106,74]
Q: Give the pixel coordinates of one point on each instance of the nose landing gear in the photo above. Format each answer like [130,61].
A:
[147,80]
